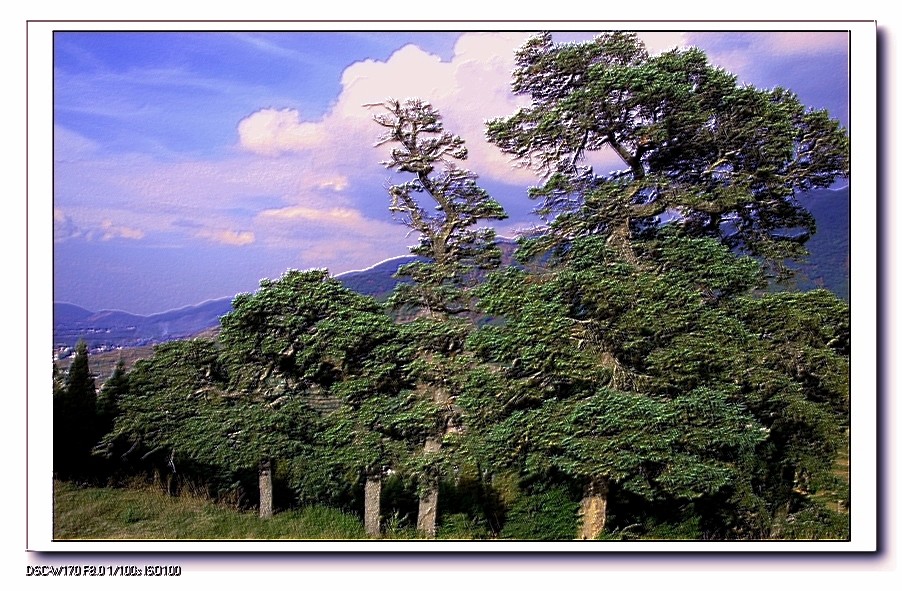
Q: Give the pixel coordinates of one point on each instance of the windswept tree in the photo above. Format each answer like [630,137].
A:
[444,206]
[308,339]
[304,374]
[666,310]
[720,159]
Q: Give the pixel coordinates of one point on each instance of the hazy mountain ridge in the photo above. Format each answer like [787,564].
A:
[115,328]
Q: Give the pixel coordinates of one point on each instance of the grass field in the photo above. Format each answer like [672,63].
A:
[149,514]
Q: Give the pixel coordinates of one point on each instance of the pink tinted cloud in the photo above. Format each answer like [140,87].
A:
[227,237]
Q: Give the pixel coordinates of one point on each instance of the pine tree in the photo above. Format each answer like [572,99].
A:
[75,431]
[444,206]
[728,160]
[308,339]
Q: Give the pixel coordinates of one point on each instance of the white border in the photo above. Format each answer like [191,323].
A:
[863,293]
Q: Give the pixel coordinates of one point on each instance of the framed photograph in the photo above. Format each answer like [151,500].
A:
[565,287]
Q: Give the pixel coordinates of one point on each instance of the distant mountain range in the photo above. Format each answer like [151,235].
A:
[113,329]
[828,266]
[106,330]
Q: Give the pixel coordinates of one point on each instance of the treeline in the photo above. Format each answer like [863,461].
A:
[632,377]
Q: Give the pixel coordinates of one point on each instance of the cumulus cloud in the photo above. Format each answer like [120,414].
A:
[472,87]
[468,90]
[271,132]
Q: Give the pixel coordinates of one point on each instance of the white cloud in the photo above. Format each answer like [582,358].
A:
[271,132]
[337,183]
[660,41]
[227,237]
[472,87]
[320,220]
[468,90]
[301,213]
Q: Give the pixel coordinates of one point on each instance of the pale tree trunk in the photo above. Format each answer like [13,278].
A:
[620,239]
[428,511]
[593,508]
[372,498]
[265,489]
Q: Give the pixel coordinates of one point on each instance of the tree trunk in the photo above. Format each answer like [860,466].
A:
[265,489]
[621,240]
[372,495]
[593,508]
[428,511]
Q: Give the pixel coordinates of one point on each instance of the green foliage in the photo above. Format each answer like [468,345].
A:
[445,208]
[113,390]
[304,371]
[816,522]
[603,368]
[462,526]
[686,528]
[544,515]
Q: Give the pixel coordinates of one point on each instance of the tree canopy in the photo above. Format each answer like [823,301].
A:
[453,247]
[718,158]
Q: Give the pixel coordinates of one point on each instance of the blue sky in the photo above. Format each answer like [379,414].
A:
[188,166]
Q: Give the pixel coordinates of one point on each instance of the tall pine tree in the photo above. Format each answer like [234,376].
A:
[444,206]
